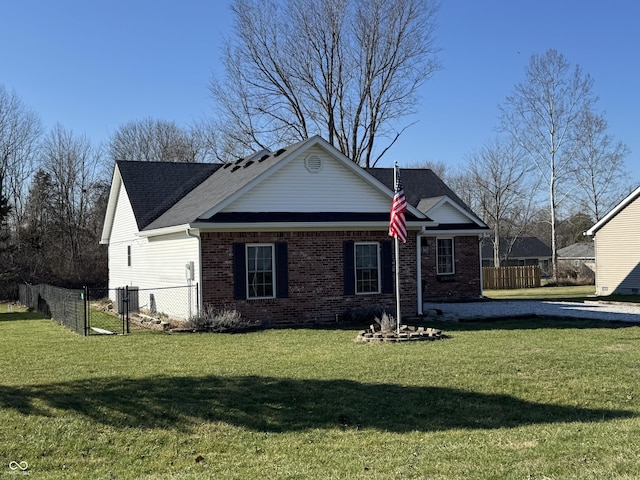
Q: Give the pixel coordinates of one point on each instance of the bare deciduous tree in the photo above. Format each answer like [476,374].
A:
[501,184]
[599,166]
[71,166]
[20,130]
[152,140]
[344,69]
[542,115]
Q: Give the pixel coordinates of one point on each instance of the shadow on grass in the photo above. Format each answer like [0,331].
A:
[281,405]
[11,316]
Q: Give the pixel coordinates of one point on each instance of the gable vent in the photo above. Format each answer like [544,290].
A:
[313,163]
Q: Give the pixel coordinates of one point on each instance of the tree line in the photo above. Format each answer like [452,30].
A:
[54,189]
[348,70]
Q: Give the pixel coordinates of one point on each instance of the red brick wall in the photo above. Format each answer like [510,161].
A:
[464,284]
[316,277]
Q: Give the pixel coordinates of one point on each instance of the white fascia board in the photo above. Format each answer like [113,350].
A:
[114,192]
[280,226]
[165,230]
[461,232]
[604,220]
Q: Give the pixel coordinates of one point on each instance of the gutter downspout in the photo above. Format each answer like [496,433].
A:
[480,257]
[419,237]
[199,240]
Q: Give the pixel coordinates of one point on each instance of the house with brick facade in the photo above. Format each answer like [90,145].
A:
[297,236]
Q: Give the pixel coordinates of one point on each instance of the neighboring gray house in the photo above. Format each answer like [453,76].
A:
[577,261]
[520,251]
[617,248]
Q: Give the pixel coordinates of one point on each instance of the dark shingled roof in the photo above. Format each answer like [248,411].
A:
[153,187]
[165,194]
[418,184]
[578,250]
[523,247]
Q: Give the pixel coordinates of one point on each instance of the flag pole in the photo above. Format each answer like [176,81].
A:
[398,285]
[397,245]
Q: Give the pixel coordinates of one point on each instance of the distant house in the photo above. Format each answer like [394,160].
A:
[577,260]
[296,236]
[617,248]
[520,251]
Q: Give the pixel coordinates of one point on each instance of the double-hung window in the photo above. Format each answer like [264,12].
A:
[260,271]
[445,260]
[367,267]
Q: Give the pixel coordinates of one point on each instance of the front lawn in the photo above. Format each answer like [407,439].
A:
[511,399]
[577,293]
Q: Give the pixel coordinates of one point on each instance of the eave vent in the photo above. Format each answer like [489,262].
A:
[313,163]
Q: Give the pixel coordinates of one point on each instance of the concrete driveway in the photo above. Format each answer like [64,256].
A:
[505,308]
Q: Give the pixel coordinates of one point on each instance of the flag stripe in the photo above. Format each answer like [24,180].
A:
[398,225]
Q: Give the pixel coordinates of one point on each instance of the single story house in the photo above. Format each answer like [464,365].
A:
[616,238]
[298,236]
[519,251]
[577,260]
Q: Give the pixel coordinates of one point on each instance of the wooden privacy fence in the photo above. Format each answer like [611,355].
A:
[498,278]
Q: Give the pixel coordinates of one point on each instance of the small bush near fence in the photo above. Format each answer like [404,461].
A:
[219,320]
[503,278]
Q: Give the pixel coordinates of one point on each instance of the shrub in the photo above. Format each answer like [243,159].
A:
[363,315]
[219,320]
[387,322]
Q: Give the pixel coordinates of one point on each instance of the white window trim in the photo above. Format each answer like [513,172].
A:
[355,267]
[273,269]
[453,256]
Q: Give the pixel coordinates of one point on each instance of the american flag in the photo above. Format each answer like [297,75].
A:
[398,225]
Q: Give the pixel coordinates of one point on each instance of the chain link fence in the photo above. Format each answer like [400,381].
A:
[99,311]
[66,306]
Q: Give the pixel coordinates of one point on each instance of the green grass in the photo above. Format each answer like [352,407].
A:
[580,292]
[570,293]
[510,399]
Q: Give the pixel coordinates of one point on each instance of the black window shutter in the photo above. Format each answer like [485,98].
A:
[239,272]
[282,270]
[387,266]
[349,268]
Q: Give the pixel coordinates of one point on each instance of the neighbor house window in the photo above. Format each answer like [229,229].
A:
[128,255]
[260,271]
[445,259]
[367,267]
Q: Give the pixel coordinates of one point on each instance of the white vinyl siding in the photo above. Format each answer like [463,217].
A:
[156,262]
[334,187]
[617,246]
[446,213]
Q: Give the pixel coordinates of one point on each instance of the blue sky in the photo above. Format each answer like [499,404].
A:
[92,65]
